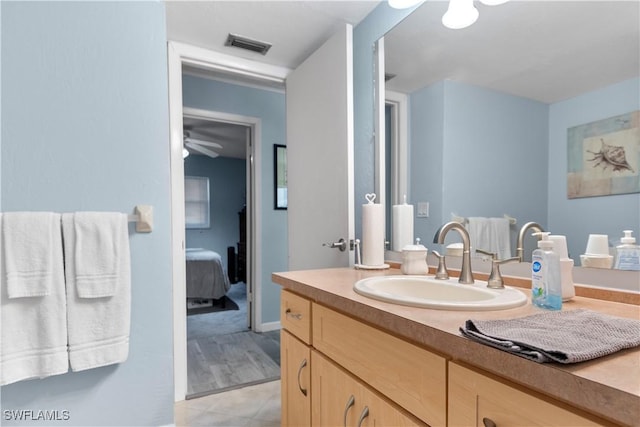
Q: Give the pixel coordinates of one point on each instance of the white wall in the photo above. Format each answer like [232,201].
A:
[577,218]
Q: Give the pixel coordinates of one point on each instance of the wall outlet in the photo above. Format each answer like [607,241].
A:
[423,209]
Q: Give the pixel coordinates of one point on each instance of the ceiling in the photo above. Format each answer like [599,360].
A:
[543,50]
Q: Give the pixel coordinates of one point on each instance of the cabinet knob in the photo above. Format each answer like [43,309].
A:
[302,365]
[350,403]
[488,422]
[363,415]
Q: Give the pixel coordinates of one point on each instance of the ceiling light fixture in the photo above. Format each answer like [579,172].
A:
[460,14]
[493,2]
[403,4]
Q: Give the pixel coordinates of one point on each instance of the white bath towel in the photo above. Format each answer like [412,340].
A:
[32,241]
[98,290]
[33,320]
[490,235]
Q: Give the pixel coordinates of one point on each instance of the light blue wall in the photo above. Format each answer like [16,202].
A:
[477,152]
[85,127]
[601,215]
[375,25]
[270,107]
[227,196]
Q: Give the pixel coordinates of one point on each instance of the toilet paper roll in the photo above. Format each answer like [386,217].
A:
[402,231]
[373,234]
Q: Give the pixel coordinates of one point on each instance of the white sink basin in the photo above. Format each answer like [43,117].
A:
[427,292]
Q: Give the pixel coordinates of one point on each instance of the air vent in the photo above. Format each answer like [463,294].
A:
[248,44]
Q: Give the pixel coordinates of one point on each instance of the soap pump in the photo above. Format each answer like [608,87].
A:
[414,259]
[627,253]
[546,284]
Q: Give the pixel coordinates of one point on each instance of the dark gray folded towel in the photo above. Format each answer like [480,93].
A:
[557,336]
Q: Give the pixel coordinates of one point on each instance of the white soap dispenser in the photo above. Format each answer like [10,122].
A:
[627,253]
[414,259]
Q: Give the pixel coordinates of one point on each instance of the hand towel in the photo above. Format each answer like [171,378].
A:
[98,315]
[33,329]
[490,235]
[99,240]
[500,237]
[557,336]
[31,241]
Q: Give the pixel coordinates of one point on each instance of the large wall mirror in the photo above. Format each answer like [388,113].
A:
[490,106]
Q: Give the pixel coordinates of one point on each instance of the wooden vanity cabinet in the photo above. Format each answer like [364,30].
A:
[479,400]
[339,399]
[327,357]
[295,360]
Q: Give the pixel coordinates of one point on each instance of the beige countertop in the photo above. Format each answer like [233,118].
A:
[608,386]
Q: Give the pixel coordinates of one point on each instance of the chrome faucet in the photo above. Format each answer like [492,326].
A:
[466,276]
[521,235]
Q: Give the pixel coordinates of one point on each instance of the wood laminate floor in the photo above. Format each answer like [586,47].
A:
[223,354]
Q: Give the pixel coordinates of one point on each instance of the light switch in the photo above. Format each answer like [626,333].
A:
[423,209]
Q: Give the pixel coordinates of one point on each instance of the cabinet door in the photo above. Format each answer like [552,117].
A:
[295,361]
[337,398]
[478,400]
[341,400]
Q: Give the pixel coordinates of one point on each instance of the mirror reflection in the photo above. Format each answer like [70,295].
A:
[490,107]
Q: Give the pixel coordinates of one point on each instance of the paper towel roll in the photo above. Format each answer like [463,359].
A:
[373,234]
[402,231]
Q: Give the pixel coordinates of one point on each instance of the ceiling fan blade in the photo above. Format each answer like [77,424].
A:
[203,143]
[202,150]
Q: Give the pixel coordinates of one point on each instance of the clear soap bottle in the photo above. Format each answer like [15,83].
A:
[546,283]
[627,253]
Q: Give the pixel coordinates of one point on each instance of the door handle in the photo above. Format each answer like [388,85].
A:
[340,244]
[363,415]
[302,365]
[350,403]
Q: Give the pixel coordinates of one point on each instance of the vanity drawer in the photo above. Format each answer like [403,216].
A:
[412,377]
[295,315]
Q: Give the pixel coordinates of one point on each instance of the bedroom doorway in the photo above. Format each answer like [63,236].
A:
[223,351]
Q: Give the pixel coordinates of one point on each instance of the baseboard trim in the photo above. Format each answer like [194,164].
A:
[270,326]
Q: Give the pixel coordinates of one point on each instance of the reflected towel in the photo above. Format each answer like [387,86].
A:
[34,325]
[490,235]
[557,336]
[98,311]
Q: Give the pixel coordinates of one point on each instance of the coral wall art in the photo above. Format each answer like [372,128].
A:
[603,157]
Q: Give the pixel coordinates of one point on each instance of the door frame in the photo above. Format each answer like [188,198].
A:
[253,147]
[179,54]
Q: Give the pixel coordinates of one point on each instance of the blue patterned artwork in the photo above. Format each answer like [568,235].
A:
[603,157]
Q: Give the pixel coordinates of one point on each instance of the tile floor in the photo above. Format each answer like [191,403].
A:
[252,406]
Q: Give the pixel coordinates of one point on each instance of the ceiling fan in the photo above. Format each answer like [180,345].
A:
[199,145]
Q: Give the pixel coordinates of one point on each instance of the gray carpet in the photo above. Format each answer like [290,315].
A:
[223,354]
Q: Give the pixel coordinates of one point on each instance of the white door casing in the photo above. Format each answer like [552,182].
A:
[177,55]
[320,135]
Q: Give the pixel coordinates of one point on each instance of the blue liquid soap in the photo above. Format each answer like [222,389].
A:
[546,283]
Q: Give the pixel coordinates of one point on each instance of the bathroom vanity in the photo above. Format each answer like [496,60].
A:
[350,360]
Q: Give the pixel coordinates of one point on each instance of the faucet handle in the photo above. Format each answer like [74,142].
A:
[491,254]
[495,278]
[441,272]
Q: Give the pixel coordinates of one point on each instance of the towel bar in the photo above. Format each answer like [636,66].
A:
[463,220]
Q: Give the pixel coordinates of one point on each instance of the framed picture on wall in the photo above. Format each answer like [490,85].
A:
[604,157]
[280,176]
